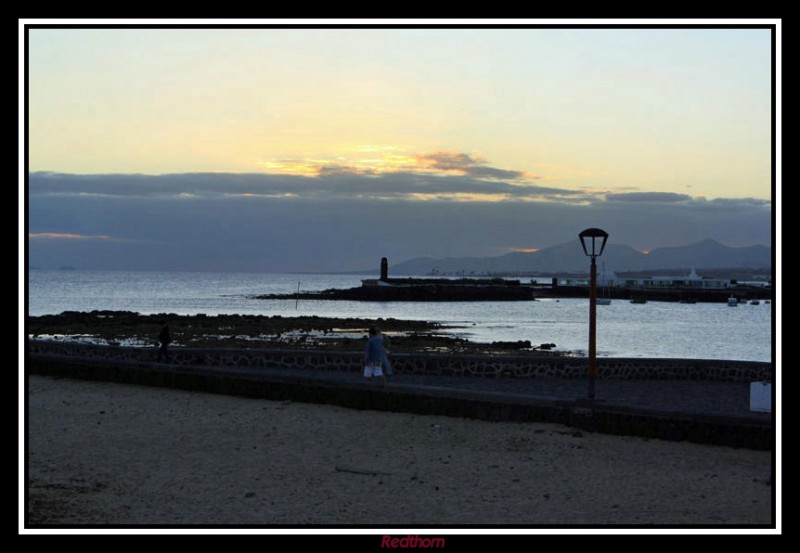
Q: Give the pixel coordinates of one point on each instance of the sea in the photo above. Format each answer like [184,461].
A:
[653,329]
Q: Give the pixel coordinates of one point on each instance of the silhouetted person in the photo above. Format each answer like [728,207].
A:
[374,353]
[164,339]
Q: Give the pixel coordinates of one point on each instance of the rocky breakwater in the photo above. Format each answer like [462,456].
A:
[125,328]
[421,289]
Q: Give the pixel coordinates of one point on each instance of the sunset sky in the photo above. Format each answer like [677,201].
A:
[319,149]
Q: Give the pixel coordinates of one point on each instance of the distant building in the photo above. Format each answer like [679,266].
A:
[692,281]
[605,279]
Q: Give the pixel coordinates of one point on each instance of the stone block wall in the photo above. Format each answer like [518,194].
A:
[437,364]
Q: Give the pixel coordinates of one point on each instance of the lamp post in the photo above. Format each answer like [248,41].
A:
[593,241]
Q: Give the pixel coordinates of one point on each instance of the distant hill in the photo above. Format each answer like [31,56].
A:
[569,258]
[709,254]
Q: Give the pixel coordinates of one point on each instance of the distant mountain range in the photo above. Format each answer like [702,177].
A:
[569,258]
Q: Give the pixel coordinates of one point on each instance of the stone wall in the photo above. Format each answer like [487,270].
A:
[449,365]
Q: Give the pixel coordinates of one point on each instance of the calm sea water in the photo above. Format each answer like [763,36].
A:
[654,329]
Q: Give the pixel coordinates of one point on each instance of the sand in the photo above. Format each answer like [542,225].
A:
[114,454]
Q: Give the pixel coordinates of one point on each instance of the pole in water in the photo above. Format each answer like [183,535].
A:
[297,297]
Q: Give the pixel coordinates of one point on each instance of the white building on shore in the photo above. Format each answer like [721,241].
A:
[692,281]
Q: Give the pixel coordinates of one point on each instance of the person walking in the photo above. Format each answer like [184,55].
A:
[374,353]
[164,340]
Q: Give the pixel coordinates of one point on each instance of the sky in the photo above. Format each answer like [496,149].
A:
[324,149]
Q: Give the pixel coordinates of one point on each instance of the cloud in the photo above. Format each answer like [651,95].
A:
[383,161]
[261,233]
[466,165]
[449,160]
[329,170]
[731,203]
[647,197]
[65,236]
[645,201]
[440,176]
[331,183]
[348,184]
[493,173]
[345,215]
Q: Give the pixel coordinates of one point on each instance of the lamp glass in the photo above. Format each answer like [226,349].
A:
[589,240]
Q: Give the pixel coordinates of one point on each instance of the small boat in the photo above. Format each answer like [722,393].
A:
[732,301]
[603,301]
[754,302]
[638,300]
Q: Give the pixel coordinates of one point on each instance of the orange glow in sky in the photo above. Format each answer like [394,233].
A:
[372,160]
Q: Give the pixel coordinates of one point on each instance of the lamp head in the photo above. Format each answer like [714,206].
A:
[593,241]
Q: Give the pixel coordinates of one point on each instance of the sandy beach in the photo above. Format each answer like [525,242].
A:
[113,454]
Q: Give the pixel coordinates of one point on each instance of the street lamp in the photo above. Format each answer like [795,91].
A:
[593,241]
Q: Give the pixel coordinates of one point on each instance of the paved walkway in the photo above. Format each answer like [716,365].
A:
[664,398]
[677,397]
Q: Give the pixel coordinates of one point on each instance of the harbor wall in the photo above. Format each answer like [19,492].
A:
[490,366]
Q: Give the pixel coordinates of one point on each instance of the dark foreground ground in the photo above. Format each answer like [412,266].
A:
[103,454]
